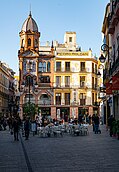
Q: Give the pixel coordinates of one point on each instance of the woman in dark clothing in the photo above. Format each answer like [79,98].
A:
[15,127]
[27,128]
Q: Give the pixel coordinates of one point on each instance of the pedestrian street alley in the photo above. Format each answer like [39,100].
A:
[90,153]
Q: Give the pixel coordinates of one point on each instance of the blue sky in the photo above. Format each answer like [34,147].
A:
[54,18]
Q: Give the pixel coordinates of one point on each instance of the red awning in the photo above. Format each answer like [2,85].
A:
[115,82]
[108,88]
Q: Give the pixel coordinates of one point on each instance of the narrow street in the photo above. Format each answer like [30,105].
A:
[91,153]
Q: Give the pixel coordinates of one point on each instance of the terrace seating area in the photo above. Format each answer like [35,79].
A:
[52,130]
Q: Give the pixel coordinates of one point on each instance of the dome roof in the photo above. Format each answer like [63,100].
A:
[29,24]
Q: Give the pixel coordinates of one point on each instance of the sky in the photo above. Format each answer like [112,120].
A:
[54,18]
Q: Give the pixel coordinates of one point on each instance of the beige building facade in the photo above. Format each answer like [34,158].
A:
[59,79]
[6,90]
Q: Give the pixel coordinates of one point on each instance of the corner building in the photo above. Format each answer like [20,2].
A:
[66,76]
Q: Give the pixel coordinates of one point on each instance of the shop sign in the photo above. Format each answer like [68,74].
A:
[108,88]
[73,54]
[115,82]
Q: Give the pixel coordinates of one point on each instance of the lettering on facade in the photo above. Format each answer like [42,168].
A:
[73,54]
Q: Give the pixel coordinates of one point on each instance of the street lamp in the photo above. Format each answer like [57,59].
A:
[98,74]
[104,48]
[28,83]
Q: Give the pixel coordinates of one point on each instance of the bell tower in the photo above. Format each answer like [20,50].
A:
[29,35]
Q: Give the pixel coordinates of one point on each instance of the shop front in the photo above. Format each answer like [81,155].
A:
[83,114]
[63,113]
[45,111]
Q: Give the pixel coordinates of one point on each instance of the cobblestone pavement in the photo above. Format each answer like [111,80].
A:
[91,153]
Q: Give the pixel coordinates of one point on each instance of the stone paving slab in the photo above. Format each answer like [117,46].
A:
[11,154]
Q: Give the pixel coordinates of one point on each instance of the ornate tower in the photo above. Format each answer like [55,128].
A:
[35,72]
[28,61]
[29,35]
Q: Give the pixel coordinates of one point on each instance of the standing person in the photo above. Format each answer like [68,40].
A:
[93,117]
[96,123]
[27,128]
[15,127]
[111,119]
[34,127]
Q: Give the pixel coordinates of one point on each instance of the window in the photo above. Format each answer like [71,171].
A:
[92,82]
[58,66]
[22,44]
[44,79]
[67,66]
[58,99]
[118,45]
[42,67]
[114,53]
[92,98]
[29,81]
[82,99]
[92,67]
[67,98]
[70,39]
[44,96]
[48,67]
[82,81]
[58,81]
[95,68]
[74,95]
[36,42]
[67,81]
[82,66]
[96,83]
[96,97]
[29,42]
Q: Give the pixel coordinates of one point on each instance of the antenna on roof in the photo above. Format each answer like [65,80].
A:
[30,10]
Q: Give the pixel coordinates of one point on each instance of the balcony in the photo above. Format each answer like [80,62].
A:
[82,102]
[67,69]
[67,85]
[74,103]
[111,27]
[84,70]
[44,85]
[113,17]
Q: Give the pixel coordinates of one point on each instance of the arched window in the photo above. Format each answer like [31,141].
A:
[44,96]
[36,42]
[29,42]
[22,43]
[42,67]
[29,81]
[48,67]
[44,99]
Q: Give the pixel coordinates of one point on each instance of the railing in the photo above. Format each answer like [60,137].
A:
[81,70]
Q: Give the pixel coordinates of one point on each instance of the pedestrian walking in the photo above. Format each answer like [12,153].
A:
[15,127]
[27,128]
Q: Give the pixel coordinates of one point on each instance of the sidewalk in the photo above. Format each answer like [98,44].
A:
[11,154]
[92,153]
